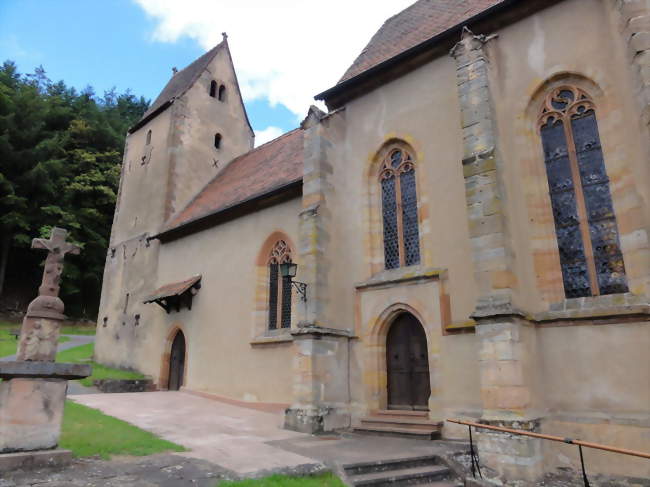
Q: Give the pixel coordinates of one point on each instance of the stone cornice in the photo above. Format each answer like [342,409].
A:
[396,277]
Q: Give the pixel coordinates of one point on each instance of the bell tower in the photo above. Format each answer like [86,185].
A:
[194,128]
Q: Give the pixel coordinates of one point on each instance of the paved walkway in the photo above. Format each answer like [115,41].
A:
[247,441]
[233,437]
[75,341]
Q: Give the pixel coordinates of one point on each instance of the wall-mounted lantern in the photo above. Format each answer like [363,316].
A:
[288,270]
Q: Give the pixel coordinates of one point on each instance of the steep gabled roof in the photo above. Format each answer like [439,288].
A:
[261,171]
[178,85]
[182,81]
[412,26]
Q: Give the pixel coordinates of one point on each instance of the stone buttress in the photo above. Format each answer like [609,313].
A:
[321,353]
[507,343]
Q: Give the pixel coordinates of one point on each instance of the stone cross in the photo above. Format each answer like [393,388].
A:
[40,331]
[57,247]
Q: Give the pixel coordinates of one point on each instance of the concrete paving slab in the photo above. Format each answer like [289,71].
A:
[230,436]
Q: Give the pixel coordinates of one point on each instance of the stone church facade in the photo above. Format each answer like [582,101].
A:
[470,218]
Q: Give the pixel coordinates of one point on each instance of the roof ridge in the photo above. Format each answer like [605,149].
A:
[413,26]
[269,141]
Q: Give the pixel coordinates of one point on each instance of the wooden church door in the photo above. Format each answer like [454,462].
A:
[408,364]
[177,362]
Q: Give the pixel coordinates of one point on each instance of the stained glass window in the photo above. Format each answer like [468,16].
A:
[399,210]
[279,288]
[585,224]
[285,312]
[273,296]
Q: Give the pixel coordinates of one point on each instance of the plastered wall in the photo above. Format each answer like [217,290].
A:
[220,326]
[527,59]
[421,109]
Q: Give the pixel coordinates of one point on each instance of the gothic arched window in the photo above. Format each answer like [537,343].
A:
[279,287]
[399,209]
[585,224]
[213,88]
[217,141]
[222,93]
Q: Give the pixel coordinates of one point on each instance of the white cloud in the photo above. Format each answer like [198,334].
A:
[269,133]
[285,51]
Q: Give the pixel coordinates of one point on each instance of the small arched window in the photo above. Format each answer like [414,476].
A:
[585,223]
[222,93]
[279,287]
[399,209]
[148,137]
[217,141]
[213,88]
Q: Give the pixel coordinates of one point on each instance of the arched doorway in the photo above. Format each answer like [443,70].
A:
[408,364]
[177,362]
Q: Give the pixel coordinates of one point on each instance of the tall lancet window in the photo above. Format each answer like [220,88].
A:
[279,287]
[399,209]
[585,224]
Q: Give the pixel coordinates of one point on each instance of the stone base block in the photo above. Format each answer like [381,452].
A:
[305,420]
[34,459]
[124,385]
[513,457]
[31,412]
[314,420]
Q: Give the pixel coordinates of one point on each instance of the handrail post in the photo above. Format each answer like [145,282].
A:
[582,464]
[473,455]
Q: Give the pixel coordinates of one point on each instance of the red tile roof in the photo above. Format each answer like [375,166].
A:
[172,289]
[264,169]
[412,26]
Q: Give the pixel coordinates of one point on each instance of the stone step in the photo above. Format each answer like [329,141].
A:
[360,468]
[406,476]
[399,420]
[419,432]
[401,412]
[442,483]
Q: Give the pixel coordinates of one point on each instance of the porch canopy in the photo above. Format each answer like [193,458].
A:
[176,295]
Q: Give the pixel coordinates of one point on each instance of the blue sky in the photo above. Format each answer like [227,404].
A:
[104,44]
[285,51]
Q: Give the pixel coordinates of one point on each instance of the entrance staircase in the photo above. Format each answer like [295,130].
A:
[393,422]
[422,471]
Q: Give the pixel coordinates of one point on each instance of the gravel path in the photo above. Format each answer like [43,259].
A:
[164,470]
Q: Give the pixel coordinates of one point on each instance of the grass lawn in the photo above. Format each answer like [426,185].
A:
[88,432]
[324,480]
[83,355]
[8,344]
[78,330]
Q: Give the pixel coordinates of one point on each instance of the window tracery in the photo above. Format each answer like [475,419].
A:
[279,287]
[399,209]
[585,223]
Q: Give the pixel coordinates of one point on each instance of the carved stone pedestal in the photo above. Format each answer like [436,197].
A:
[32,399]
[31,411]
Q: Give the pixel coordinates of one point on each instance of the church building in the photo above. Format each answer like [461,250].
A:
[463,234]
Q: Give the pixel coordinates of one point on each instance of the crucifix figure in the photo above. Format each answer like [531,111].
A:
[40,331]
[57,247]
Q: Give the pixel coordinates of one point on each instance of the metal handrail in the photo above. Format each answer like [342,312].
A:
[570,441]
